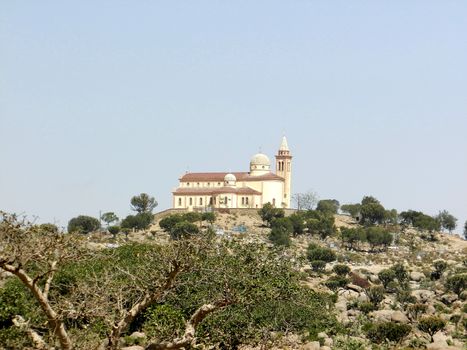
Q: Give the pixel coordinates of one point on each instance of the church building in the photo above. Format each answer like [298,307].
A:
[253,189]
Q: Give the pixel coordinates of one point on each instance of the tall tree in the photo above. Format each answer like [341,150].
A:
[143,203]
[447,221]
[305,201]
[109,217]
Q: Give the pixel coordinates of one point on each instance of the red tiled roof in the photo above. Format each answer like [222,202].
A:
[215,190]
[219,177]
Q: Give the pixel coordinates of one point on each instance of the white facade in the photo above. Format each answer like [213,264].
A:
[250,189]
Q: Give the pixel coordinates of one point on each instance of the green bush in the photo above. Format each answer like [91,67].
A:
[336,282]
[415,310]
[375,294]
[268,213]
[114,230]
[318,265]
[388,331]
[341,269]
[279,236]
[140,221]
[386,276]
[315,252]
[457,283]
[83,224]
[163,321]
[400,272]
[366,307]
[184,229]
[440,266]
[431,325]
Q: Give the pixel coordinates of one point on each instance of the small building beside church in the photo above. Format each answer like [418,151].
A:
[252,189]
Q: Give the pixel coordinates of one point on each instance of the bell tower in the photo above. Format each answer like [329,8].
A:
[284,169]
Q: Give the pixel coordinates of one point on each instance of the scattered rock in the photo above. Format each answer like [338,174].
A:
[423,295]
[313,345]
[354,287]
[449,298]
[399,317]
[417,276]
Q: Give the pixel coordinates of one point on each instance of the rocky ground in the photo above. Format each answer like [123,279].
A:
[410,248]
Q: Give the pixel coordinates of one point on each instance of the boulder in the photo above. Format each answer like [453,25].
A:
[354,288]
[417,276]
[449,298]
[312,345]
[399,317]
[138,335]
[423,295]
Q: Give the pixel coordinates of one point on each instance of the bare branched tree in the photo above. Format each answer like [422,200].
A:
[305,201]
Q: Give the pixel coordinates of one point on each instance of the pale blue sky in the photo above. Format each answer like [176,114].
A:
[101,100]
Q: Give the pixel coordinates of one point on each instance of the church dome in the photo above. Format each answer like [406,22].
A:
[230,180]
[260,159]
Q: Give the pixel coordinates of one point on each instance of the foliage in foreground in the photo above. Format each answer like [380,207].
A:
[249,290]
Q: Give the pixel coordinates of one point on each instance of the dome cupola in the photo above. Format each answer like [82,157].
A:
[230,180]
[260,164]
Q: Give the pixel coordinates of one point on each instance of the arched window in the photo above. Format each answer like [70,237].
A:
[201,201]
[179,202]
[191,201]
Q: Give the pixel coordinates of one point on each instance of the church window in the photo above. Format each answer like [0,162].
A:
[179,202]
[246,200]
[225,199]
[243,200]
[191,201]
[209,184]
[274,202]
[197,184]
[188,184]
[210,201]
[201,201]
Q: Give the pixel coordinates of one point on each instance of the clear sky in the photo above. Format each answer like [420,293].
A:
[102,100]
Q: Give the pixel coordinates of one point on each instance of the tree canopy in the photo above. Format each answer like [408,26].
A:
[143,203]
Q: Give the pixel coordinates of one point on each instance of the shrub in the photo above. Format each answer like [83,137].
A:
[352,236]
[209,217]
[386,276]
[113,230]
[279,236]
[388,331]
[315,252]
[320,223]
[184,229]
[140,221]
[328,206]
[400,272]
[375,294]
[457,283]
[83,224]
[378,236]
[440,266]
[318,265]
[298,224]
[336,282]
[268,213]
[169,222]
[366,307]
[431,325]
[415,310]
[341,269]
